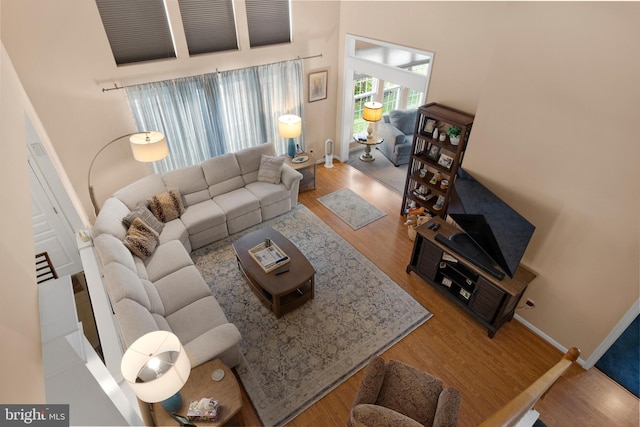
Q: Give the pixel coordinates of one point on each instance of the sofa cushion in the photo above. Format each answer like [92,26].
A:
[111,249]
[190,182]
[249,160]
[155,303]
[237,202]
[167,259]
[202,216]
[268,194]
[222,174]
[141,239]
[122,283]
[270,169]
[405,120]
[181,288]
[175,230]
[134,321]
[167,205]
[196,318]
[145,215]
[140,190]
[109,221]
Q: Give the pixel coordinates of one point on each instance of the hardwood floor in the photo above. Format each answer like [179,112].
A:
[451,345]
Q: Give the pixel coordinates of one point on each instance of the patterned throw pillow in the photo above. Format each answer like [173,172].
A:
[145,215]
[270,169]
[141,239]
[166,206]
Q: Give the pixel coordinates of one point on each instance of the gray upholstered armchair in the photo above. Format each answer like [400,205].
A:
[397,129]
[396,394]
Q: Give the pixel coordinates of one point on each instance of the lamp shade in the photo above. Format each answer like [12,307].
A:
[372,111]
[289,126]
[156,366]
[149,146]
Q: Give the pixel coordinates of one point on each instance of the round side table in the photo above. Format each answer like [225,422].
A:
[370,142]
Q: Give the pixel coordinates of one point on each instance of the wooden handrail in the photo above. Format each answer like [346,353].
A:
[511,413]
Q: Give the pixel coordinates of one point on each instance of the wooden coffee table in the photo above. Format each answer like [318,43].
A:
[284,292]
[226,392]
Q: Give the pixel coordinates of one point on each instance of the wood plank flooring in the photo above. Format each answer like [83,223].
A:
[451,345]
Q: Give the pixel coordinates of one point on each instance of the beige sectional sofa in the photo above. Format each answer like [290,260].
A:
[165,291]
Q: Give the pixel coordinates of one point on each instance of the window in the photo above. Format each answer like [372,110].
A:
[137,30]
[365,90]
[140,30]
[269,22]
[209,26]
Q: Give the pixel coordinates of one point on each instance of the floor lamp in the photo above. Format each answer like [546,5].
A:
[147,146]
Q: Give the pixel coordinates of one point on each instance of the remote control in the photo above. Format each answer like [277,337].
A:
[435,227]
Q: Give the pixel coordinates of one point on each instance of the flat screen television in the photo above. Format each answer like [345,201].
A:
[494,236]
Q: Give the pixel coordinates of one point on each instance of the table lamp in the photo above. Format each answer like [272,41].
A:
[290,126]
[372,113]
[156,367]
[146,146]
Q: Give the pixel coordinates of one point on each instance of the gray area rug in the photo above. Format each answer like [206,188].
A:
[290,363]
[381,169]
[351,208]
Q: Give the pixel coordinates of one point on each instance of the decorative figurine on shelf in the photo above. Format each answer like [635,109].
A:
[435,178]
[439,204]
[435,133]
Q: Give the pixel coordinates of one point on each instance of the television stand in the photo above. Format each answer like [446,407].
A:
[490,301]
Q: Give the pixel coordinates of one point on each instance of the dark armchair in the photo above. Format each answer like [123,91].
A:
[396,394]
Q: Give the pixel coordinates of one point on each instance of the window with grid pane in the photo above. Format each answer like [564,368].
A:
[269,22]
[364,90]
[209,26]
[137,30]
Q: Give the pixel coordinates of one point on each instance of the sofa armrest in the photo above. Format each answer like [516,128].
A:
[290,176]
[220,342]
[373,416]
[391,134]
[371,382]
[448,408]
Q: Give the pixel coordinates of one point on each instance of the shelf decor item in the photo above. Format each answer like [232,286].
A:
[454,135]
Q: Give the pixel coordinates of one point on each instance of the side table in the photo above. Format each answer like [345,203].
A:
[226,392]
[307,169]
[374,140]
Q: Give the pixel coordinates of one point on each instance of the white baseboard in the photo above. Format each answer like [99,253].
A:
[547,338]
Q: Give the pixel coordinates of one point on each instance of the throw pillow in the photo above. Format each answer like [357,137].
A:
[404,120]
[166,206]
[270,169]
[145,215]
[141,239]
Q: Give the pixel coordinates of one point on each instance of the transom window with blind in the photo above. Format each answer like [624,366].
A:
[140,30]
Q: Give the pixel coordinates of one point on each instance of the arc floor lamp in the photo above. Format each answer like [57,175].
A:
[147,146]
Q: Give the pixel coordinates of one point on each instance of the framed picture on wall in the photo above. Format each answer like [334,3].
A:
[318,86]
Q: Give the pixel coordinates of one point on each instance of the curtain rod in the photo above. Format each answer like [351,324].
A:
[116,87]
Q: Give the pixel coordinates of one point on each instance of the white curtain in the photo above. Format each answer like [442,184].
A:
[212,114]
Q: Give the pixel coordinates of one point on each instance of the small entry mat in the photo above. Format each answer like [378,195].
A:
[351,208]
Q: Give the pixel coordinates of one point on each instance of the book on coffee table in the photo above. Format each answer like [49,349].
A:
[268,257]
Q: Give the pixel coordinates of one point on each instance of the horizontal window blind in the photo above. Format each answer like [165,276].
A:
[138,30]
[209,25]
[269,22]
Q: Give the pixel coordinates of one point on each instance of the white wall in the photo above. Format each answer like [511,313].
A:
[21,367]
